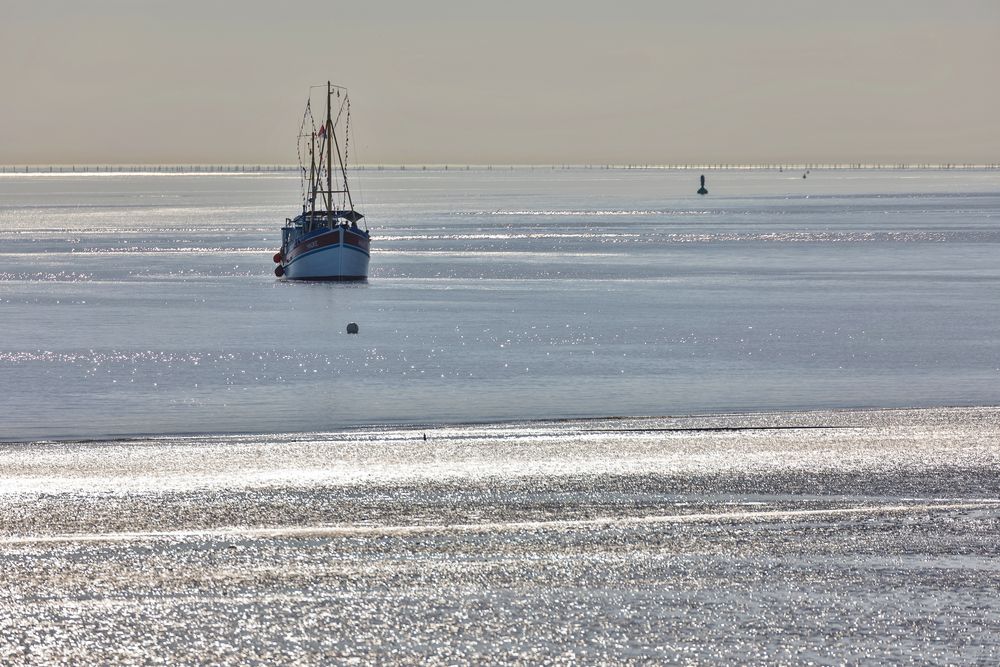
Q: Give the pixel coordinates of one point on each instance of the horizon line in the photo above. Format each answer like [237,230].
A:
[249,167]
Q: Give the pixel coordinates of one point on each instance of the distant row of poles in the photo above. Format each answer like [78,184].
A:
[281,168]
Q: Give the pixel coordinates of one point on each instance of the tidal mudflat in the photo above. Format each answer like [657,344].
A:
[835,536]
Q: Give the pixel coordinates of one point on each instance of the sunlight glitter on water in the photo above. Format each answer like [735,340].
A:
[819,536]
[861,443]
[858,281]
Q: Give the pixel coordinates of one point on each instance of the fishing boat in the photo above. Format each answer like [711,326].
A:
[325,242]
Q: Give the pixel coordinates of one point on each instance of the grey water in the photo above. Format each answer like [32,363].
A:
[295,494]
[146,304]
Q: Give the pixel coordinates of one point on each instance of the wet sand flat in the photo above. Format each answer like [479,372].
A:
[843,537]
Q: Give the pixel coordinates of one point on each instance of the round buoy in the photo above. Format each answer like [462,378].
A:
[279,271]
[277,258]
[352,328]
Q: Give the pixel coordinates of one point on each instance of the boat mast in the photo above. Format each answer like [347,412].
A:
[329,155]
[312,174]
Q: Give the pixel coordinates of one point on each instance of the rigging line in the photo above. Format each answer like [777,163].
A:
[319,167]
[357,178]
[345,102]
[347,132]
[313,171]
[298,149]
[347,144]
[343,170]
[307,195]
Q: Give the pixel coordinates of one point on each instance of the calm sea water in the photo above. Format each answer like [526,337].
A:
[145,304]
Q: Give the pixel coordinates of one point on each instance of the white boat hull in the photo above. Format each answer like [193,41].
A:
[333,254]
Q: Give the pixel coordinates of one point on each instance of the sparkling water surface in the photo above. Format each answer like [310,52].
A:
[143,304]
[273,506]
[827,537]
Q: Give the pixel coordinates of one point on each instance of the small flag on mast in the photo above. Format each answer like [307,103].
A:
[322,131]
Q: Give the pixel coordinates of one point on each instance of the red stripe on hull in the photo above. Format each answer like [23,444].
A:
[314,243]
[357,240]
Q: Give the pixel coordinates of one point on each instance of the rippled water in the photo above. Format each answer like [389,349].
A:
[826,537]
[139,304]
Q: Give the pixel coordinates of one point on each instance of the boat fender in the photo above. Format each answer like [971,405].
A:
[277,257]
[279,271]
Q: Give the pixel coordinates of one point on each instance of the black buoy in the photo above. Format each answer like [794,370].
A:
[352,328]
[702,190]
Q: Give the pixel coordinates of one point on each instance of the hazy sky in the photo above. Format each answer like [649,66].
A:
[515,81]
